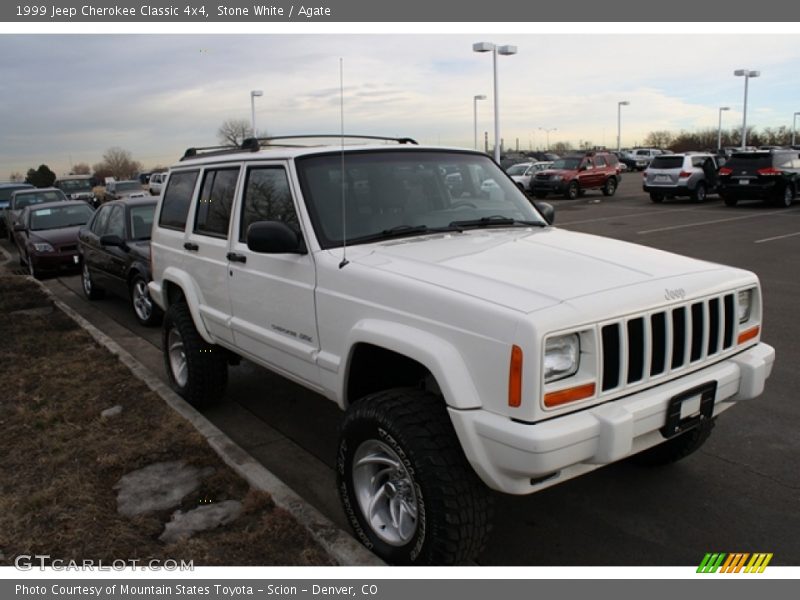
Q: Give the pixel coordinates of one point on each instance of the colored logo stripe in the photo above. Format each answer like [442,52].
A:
[734,562]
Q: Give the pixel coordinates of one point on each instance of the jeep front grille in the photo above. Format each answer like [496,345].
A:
[647,346]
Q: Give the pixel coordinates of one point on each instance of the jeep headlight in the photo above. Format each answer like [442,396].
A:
[745,301]
[561,357]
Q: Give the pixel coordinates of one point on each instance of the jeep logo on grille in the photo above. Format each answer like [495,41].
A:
[676,294]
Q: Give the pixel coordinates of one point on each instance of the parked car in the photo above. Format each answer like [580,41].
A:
[115,254]
[26,197]
[679,175]
[128,188]
[522,173]
[77,187]
[638,158]
[47,235]
[470,344]
[769,175]
[156,183]
[6,190]
[573,175]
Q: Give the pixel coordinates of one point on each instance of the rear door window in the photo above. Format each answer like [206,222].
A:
[215,201]
[177,200]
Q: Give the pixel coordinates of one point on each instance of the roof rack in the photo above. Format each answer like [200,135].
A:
[254,144]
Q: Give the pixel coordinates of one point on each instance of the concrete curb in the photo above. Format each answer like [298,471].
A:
[341,546]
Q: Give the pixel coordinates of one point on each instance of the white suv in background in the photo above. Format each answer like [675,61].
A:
[156,183]
[470,344]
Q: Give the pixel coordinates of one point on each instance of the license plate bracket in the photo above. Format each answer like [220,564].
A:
[675,424]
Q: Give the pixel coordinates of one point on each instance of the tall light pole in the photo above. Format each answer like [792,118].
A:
[747,75]
[475,115]
[547,132]
[253,95]
[719,129]
[495,50]
[794,126]
[620,104]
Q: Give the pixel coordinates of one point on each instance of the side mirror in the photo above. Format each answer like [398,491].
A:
[113,240]
[547,210]
[274,237]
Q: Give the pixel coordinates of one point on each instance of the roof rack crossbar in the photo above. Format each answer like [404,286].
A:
[192,152]
[254,144]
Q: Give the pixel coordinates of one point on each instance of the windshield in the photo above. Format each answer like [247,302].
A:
[128,186]
[72,186]
[57,218]
[5,192]
[407,192]
[23,200]
[517,169]
[566,164]
[142,221]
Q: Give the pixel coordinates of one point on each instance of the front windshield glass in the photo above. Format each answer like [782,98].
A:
[57,218]
[517,169]
[72,186]
[566,164]
[392,192]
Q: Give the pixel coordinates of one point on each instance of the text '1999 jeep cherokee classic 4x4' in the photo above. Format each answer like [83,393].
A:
[470,344]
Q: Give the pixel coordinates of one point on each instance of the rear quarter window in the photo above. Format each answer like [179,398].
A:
[177,200]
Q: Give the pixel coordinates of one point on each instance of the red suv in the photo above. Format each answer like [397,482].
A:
[574,174]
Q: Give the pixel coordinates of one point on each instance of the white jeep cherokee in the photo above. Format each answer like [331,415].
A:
[470,344]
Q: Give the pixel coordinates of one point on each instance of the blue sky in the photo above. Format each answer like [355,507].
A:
[67,98]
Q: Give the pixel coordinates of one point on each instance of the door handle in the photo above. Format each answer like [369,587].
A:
[234,257]
[191,246]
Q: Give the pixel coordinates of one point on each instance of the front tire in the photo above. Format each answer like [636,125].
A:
[676,448]
[573,191]
[197,370]
[610,187]
[405,485]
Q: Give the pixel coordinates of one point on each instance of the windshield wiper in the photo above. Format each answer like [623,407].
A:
[497,221]
[406,230]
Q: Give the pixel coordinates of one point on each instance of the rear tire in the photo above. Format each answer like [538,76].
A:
[657,198]
[699,193]
[676,448]
[786,199]
[197,370]
[730,201]
[405,485]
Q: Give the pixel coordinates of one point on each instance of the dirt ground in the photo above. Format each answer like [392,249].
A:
[59,460]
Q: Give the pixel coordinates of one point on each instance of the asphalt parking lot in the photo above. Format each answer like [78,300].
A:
[739,493]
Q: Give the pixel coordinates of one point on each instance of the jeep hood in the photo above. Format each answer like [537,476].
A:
[527,270]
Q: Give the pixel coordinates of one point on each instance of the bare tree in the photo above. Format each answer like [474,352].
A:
[659,139]
[81,169]
[16,176]
[561,148]
[117,163]
[233,131]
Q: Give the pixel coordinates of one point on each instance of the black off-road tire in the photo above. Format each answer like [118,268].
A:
[610,187]
[676,448]
[454,507]
[206,364]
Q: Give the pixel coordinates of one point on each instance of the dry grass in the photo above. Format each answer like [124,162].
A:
[59,460]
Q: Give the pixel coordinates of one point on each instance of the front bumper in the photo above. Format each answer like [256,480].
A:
[521,458]
[56,261]
[549,186]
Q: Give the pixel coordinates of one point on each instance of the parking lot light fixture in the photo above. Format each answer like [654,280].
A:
[719,129]
[747,74]
[620,104]
[495,50]
[475,115]
[794,127]
[547,131]
[253,95]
